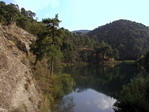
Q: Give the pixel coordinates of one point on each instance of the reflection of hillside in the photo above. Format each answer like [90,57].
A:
[64,105]
[105,79]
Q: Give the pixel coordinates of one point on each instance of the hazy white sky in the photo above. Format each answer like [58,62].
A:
[88,14]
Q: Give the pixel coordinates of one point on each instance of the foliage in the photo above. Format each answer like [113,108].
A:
[53,87]
[120,39]
[39,47]
[28,13]
[57,44]
[84,41]
[100,53]
[103,49]
[146,61]
[134,97]
[61,85]
[54,34]
[68,47]
[131,39]
[9,13]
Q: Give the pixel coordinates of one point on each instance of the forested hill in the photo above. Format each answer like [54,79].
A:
[81,31]
[130,38]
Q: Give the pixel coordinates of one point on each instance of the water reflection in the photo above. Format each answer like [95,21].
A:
[64,105]
[106,79]
[91,101]
[98,86]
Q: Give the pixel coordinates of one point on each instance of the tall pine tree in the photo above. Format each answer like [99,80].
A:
[54,34]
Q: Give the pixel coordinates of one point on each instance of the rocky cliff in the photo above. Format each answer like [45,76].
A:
[17,87]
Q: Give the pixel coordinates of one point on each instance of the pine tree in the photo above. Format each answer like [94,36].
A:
[54,49]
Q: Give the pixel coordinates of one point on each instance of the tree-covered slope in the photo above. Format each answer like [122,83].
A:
[81,31]
[130,38]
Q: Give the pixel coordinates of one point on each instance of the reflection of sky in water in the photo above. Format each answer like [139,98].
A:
[92,101]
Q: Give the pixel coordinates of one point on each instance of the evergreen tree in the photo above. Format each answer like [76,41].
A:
[12,13]
[39,47]
[55,34]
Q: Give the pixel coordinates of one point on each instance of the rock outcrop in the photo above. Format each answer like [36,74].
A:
[17,87]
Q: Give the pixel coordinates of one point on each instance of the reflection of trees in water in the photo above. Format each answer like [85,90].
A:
[106,79]
[134,97]
[64,105]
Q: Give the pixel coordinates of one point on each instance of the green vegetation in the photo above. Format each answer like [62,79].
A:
[54,43]
[52,87]
[134,97]
[46,50]
[54,46]
[146,61]
[9,13]
[123,39]
[48,43]
[131,39]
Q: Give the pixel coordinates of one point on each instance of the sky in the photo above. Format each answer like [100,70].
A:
[87,14]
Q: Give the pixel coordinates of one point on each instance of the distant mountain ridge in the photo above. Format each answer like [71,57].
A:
[130,38]
[81,31]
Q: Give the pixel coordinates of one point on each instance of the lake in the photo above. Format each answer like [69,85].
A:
[97,86]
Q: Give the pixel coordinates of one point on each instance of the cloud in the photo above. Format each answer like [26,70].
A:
[104,102]
[92,101]
[36,5]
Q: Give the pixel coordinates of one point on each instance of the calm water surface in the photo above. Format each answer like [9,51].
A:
[97,86]
[91,100]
